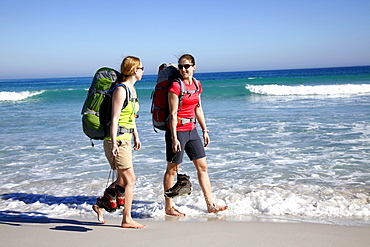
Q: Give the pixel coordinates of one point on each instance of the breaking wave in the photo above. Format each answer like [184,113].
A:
[16,96]
[281,90]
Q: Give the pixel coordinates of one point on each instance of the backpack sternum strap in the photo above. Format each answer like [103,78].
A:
[189,92]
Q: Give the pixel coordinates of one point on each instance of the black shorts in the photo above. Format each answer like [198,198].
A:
[189,141]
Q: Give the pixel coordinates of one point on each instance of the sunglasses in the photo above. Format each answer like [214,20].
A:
[142,68]
[186,66]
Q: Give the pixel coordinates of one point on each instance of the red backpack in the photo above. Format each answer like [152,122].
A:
[167,74]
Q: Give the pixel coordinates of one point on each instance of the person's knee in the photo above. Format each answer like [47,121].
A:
[201,165]
[131,182]
[203,169]
[127,176]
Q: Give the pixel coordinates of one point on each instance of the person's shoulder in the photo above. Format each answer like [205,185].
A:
[121,88]
[175,84]
[174,88]
[176,81]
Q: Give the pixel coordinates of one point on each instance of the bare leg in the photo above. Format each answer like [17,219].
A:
[118,181]
[99,212]
[129,179]
[168,182]
[205,184]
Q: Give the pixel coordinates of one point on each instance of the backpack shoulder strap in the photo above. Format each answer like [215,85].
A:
[128,93]
[128,96]
[196,82]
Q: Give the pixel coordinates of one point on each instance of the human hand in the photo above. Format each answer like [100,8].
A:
[114,150]
[206,138]
[137,145]
[176,146]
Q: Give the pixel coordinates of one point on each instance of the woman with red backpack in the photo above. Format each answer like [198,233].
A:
[183,136]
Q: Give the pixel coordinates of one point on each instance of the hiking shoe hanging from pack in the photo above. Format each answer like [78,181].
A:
[108,201]
[181,187]
[120,196]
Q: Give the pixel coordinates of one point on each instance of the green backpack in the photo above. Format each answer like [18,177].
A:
[96,111]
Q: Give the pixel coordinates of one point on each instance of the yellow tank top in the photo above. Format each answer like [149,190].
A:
[127,118]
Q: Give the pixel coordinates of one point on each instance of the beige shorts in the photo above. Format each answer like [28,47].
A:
[124,158]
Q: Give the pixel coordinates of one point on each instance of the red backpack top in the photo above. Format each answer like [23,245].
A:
[167,74]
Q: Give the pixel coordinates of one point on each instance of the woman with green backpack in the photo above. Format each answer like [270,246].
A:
[118,146]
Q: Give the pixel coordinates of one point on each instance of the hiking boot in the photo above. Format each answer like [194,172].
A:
[102,203]
[108,201]
[120,198]
[181,187]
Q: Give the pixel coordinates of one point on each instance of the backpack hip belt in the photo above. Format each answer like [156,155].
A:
[182,121]
[122,130]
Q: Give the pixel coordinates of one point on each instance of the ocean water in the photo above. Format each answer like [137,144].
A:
[285,144]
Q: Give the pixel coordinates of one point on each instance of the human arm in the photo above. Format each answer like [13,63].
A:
[173,102]
[137,142]
[199,114]
[118,98]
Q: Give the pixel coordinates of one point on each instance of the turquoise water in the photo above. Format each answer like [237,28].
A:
[285,144]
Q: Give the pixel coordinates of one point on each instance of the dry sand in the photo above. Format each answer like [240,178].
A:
[18,231]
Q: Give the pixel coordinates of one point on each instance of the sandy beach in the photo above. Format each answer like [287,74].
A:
[18,231]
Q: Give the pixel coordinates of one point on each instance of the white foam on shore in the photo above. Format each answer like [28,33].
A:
[303,202]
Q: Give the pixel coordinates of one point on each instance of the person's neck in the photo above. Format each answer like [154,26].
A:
[130,82]
[188,80]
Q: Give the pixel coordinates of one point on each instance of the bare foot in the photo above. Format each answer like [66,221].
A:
[133,224]
[174,212]
[99,212]
[213,208]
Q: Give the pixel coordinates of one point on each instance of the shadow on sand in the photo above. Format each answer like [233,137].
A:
[17,218]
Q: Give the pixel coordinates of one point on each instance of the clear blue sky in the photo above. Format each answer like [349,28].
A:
[64,38]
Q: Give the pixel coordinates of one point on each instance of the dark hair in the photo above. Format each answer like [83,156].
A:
[188,57]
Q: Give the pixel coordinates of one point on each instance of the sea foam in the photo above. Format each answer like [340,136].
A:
[15,96]
[309,90]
